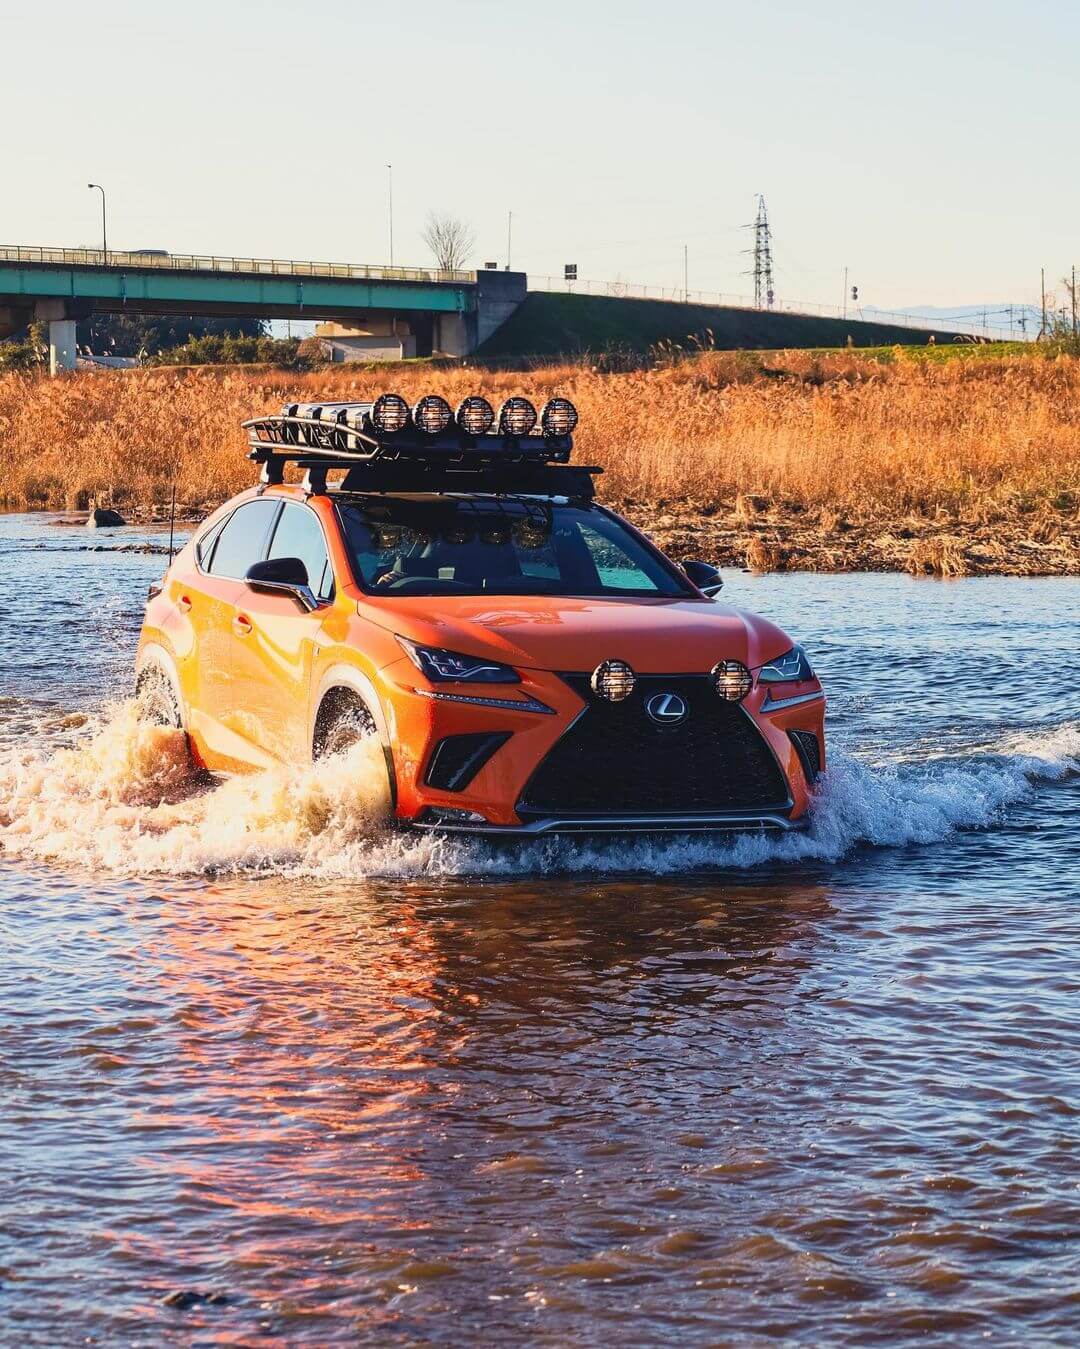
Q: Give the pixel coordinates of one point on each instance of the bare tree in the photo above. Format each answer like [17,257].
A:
[449,239]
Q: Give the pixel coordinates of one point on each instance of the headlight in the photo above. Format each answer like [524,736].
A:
[450,667]
[431,414]
[732,680]
[475,415]
[389,413]
[613,680]
[559,417]
[517,417]
[790,668]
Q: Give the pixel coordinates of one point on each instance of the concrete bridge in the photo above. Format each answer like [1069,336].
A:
[446,313]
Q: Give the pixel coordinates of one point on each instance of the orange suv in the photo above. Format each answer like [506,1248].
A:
[446,582]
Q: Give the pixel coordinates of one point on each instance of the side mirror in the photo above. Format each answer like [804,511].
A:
[704,575]
[282,576]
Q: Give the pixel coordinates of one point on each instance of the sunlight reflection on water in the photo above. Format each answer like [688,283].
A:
[366,1087]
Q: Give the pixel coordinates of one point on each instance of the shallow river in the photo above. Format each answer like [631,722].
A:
[267,1074]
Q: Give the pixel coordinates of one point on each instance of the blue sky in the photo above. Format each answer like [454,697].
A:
[929,147]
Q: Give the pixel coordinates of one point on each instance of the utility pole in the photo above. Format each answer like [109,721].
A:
[763,277]
[104,236]
[390,204]
[1073,291]
[509,231]
[1042,276]
[686,274]
[845,291]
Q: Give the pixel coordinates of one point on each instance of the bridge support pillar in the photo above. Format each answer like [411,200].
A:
[62,349]
[452,336]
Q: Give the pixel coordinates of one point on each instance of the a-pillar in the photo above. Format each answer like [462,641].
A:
[61,345]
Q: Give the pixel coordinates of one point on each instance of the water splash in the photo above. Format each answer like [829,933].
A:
[126,800]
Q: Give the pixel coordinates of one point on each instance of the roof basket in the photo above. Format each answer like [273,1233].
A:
[422,448]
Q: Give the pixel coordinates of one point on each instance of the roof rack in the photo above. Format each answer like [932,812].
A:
[386,447]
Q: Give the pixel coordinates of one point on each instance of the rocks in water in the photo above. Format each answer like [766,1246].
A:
[186,1298]
[101,517]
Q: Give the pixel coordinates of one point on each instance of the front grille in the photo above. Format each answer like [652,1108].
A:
[806,742]
[616,760]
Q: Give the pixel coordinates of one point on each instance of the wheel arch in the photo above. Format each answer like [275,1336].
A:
[346,680]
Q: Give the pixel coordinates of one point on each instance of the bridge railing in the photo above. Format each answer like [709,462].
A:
[206,262]
[969,325]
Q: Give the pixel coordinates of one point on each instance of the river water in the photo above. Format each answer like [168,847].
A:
[269,1074]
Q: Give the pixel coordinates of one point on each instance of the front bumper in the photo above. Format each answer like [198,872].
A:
[438,822]
[510,797]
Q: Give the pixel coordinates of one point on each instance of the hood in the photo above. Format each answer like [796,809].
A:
[661,636]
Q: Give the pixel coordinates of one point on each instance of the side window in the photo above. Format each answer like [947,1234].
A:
[205,546]
[243,539]
[299,534]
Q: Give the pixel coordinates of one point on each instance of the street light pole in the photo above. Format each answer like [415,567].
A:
[104,236]
[390,199]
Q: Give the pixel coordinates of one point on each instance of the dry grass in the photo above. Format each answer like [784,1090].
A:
[842,438]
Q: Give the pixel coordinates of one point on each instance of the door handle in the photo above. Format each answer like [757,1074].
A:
[184,603]
[241,625]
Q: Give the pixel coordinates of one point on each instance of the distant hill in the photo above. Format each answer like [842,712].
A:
[551,324]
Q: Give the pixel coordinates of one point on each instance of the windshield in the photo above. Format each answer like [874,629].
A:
[498,546]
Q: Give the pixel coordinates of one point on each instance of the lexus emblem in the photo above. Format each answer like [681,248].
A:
[667,709]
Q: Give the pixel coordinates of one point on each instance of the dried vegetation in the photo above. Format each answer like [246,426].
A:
[792,460]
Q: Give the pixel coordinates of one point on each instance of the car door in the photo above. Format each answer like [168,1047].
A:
[273,656]
[217,716]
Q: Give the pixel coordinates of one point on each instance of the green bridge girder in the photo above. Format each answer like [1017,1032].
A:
[118,289]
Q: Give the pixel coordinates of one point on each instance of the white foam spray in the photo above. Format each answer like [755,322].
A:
[125,800]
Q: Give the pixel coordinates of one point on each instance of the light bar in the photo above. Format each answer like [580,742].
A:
[431,414]
[390,413]
[517,417]
[475,415]
[559,417]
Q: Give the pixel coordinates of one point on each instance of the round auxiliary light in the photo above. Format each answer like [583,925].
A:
[559,417]
[475,415]
[431,414]
[517,417]
[613,680]
[389,413]
[731,679]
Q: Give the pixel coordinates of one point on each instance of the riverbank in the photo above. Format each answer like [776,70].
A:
[776,461]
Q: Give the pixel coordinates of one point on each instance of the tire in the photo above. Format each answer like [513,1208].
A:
[157,700]
[343,721]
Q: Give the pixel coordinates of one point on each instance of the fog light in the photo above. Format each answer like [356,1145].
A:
[431,414]
[613,680]
[390,413]
[732,680]
[475,415]
[517,417]
[559,417]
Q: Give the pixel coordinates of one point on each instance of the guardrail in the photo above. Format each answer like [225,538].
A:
[207,262]
[676,295]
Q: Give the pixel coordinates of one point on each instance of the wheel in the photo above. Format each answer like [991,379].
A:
[157,700]
[343,721]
